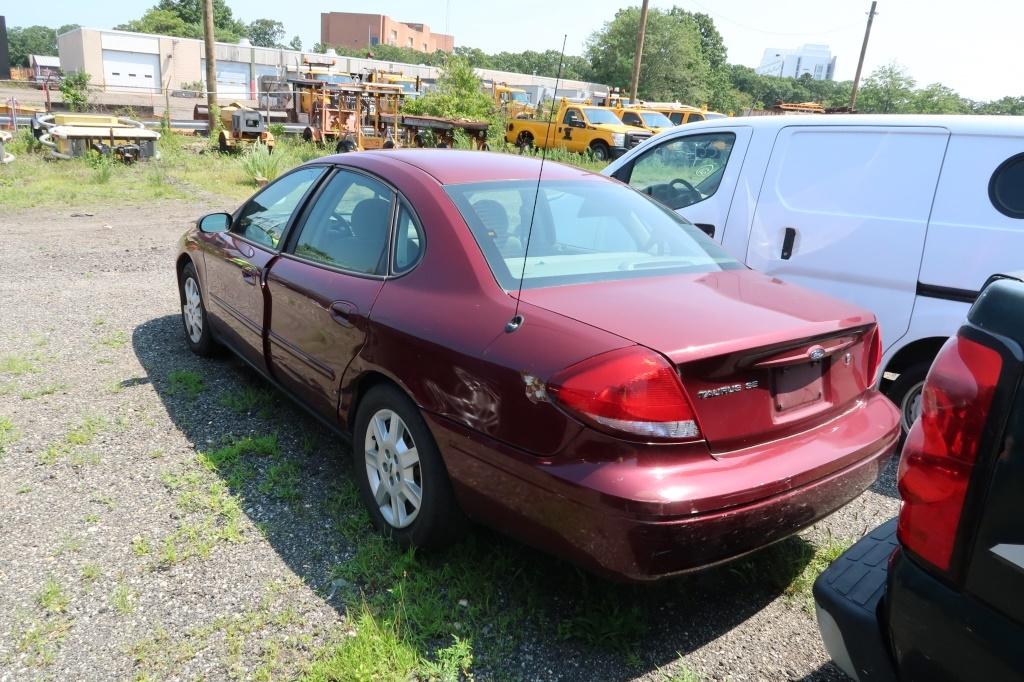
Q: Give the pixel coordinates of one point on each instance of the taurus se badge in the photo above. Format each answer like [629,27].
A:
[725,390]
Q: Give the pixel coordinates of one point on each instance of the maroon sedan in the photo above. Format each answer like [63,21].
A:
[649,407]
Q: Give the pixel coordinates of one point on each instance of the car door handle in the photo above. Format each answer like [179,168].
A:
[709,230]
[787,243]
[250,275]
[342,312]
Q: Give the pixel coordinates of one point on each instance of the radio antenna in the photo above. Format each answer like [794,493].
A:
[517,320]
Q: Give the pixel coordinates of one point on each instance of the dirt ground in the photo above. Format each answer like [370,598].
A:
[124,557]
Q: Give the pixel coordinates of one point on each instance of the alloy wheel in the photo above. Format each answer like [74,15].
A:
[393,468]
[192,310]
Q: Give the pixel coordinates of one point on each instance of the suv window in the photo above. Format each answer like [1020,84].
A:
[349,224]
[571,115]
[683,171]
[264,219]
[629,118]
[1006,188]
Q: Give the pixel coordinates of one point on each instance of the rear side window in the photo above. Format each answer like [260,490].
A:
[583,231]
[408,240]
[1006,188]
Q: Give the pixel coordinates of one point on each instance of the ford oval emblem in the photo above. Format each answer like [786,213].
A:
[816,353]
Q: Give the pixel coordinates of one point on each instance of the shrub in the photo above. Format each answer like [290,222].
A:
[75,90]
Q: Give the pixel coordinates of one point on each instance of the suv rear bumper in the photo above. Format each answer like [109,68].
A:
[848,598]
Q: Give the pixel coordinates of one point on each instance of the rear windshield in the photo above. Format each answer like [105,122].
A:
[583,231]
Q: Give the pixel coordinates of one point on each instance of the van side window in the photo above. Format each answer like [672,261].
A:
[683,171]
[1006,188]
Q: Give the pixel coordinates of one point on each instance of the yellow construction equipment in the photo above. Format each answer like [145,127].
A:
[71,135]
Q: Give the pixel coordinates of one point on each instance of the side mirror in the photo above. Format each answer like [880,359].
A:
[214,222]
[576,123]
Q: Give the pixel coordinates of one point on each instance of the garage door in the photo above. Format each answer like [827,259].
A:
[232,78]
[131,71]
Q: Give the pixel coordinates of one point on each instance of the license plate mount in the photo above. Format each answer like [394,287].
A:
[796,386]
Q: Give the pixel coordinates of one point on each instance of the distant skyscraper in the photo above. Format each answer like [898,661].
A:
[816,60]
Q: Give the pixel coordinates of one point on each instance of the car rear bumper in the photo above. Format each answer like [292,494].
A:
[848,599]
[634,520]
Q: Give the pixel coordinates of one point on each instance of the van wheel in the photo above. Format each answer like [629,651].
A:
[905,392]
[600,150]
[402,479]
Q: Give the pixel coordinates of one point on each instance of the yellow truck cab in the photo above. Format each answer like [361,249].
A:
[577,127]
[513,101]
[681,113]
[655,121]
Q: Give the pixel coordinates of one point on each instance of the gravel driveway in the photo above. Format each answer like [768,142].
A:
[126,554]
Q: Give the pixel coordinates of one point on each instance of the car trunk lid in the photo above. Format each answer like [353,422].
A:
[759,359]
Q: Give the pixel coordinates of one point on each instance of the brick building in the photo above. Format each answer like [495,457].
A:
[356,30]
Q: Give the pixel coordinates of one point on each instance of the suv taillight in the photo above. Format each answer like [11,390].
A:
[632,391]
[942,446]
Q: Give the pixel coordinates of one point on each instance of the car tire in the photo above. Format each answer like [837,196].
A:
[524,142]
[388,425]
[905,392]
[193,314]
[222,143]
[600,151]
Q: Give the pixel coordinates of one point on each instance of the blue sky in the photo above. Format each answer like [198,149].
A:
[972,47]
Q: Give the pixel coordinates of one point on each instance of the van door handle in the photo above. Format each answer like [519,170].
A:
[787,243]
[709,230]
[250,275]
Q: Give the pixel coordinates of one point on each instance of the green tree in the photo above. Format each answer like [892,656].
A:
[1007,106]
[191,12]
[74,89]
[265,32]
[888,90]
[295,43]
[672,67]
[22,42]
[162,22]
[458,93]
[938,99]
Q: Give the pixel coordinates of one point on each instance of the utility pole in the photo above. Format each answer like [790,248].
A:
[211,65]
[639,53]
[860,62]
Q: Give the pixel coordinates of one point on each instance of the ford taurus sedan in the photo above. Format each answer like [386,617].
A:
[554,355]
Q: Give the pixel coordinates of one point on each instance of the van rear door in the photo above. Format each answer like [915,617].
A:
[844,210]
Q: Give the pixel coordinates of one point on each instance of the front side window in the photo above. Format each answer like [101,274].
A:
[683,171]
[1006,188]
[571,116]
[677,118]
[582,231]
[348,227]
[263,220]
[694,118]
[629,118]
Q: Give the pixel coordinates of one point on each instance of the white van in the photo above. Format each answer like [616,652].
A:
[904,215]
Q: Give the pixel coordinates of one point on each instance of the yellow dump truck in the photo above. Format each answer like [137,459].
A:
[577,127]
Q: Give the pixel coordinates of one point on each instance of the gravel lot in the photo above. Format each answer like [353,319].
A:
[123,557]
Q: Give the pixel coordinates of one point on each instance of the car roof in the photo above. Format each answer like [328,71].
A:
[454,166]
[965,124]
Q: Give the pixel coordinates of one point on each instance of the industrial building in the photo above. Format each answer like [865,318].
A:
[353,29]
[122,61]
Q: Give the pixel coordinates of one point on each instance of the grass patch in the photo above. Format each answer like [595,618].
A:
[140,546]
[85,432]
[48,389]
[17,364]
[214,516]
[123,599]
[91,517]
[282,481]
[377,651]
[114,340]
[8,433]
[818,559]
[248,400]
[40,641]
[51,597]
[185,381]
[91,572]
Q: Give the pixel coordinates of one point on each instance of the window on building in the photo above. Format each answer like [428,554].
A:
[411,43]
[394,37]
[425,49]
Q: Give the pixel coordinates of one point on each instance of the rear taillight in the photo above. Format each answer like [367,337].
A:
[632,390]
[942,446]
[874,360]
